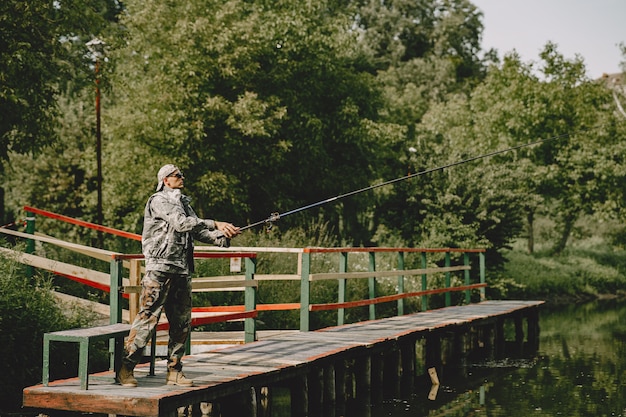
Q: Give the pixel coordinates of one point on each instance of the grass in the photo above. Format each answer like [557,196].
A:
[590,267]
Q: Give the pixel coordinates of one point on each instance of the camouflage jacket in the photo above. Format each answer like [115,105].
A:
[170,227]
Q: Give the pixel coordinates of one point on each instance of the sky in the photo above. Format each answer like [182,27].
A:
[592,29]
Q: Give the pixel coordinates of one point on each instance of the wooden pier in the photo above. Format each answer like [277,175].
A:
[322,369]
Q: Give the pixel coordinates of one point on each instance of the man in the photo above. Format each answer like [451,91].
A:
[169,229]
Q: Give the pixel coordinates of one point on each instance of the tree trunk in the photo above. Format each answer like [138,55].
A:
[568,224]
[530,228]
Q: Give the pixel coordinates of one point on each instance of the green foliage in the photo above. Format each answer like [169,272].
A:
[37,63]
[62,177]
[589,268]
[488,202]
[27,311]
[270,106]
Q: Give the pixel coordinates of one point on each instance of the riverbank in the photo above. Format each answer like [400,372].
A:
[589,269]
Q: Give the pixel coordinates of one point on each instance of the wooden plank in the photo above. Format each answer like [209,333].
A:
[381,274]
[100,278]
[134,279]
[107,331]
[278,358]
[277,277]
[99,308]
[259,249]
[231,284]
[88,250]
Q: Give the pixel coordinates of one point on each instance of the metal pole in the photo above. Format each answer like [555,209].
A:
[99,216]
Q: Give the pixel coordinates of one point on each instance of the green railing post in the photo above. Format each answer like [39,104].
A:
[116,346]
[30,243]
[250,301]
[372,284]
[466,262]
[481,256]
[305,290]
[341,296]
[401,283]
[424,282]
[448,280]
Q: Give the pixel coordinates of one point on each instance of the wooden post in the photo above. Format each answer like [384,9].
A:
[498,348]
[433,350]
[519,333]
[305,289]
[372,284]
[533,329]
[265,400]
[377,377]
[134,276]
[30,243]
[424,282]
[468,294]
[407,358]
[250,301]
[481,257]
[316,390]
[363,377]
[392,374]
[330,389]
[341,387]
[116,346]
[299,397]
[456,355]
[448,279]
[341,296]
[251,402]
[400,283]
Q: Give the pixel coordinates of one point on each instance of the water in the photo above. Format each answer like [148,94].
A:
[579,370]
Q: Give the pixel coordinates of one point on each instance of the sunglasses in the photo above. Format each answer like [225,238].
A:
[178,175]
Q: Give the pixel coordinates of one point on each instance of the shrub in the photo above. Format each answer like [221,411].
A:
[28,309]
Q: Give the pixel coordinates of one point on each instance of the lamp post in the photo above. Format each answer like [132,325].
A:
[412,152]
[96,47]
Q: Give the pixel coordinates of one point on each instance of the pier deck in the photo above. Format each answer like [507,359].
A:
[277,359]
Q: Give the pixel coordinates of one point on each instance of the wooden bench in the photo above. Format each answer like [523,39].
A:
[84,337]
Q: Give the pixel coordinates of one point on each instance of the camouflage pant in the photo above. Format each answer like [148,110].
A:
[161,291]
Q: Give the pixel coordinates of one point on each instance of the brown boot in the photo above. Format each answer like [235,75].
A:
[175,377]
[125,376]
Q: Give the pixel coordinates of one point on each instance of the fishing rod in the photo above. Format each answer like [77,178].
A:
[274,217]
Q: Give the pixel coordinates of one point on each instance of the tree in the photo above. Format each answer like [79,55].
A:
[265,108]
[42,49]
[571,173]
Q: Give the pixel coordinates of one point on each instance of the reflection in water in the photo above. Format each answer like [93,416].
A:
[580,370]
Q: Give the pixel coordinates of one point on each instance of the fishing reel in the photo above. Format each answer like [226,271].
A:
[269,222]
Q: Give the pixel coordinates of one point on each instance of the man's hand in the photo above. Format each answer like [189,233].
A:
[228,229]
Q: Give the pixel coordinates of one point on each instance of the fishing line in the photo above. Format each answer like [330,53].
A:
[277,216]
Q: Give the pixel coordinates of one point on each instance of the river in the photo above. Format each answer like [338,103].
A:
[579,370]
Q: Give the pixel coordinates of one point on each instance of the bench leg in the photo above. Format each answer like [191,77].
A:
[153,353]
[45,377]
[117,352]
[83,364]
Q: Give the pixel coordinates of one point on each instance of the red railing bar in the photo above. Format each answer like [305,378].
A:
[388,298]
[87,282]
[238,308]
[197,255]
[199,321]
[89,225]
[377,250]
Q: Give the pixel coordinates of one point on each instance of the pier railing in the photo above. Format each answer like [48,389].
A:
[412,273]
[454,273]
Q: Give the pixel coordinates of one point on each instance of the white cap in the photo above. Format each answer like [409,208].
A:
[165,171]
